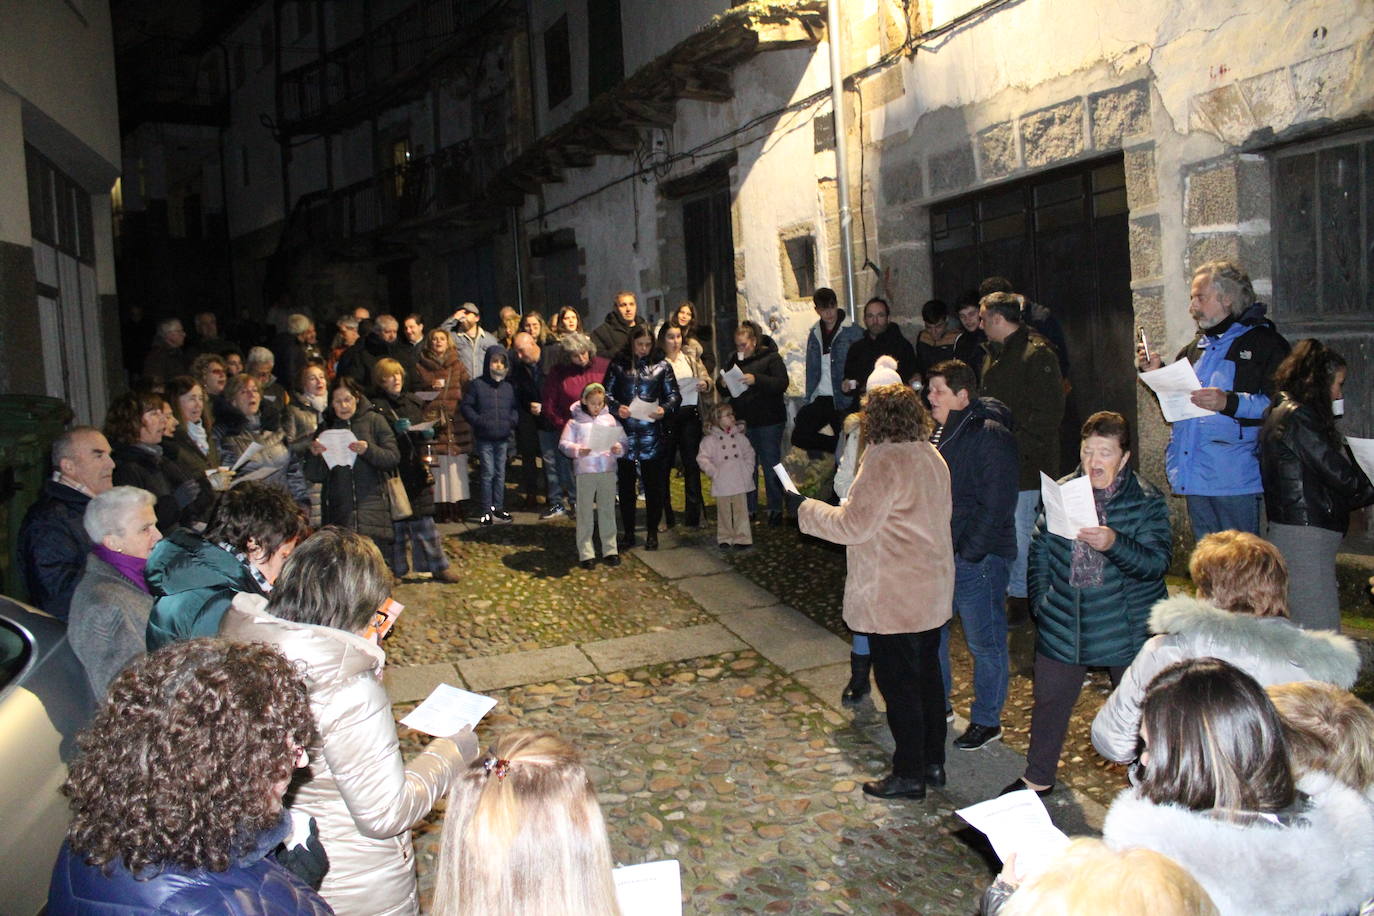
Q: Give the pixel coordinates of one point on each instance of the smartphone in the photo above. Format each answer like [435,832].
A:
[1145,342]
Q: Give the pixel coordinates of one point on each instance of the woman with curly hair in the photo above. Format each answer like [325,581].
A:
[135,425]
[1311,480]
[896,519]
[362,793]
[176,793]
[524,834]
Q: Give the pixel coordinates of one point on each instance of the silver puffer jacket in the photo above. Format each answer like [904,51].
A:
[364,797]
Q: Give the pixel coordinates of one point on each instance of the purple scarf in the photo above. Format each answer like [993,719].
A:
[1087,567]
[129,567]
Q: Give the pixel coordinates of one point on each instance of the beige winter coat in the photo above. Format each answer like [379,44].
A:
[896,527]
[364,797]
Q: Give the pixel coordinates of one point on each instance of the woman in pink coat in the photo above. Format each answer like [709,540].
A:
[895,520]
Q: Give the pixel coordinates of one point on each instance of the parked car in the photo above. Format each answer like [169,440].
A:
[45,700]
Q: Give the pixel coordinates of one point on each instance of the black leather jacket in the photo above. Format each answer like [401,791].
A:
[651,380]
[1308,480]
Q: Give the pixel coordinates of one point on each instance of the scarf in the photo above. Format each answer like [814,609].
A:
[1088,565]
[196,432]
[315,402]
[129,567]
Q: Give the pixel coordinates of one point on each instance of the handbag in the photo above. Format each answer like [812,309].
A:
[398,499]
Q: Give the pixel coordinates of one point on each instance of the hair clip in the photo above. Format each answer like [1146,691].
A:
[499,766]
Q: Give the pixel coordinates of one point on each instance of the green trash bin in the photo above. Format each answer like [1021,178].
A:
[28,426]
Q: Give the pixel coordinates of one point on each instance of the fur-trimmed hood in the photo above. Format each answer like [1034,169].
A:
[1323,655]
[1322,861]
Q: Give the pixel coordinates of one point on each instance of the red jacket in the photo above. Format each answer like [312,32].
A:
[563,388]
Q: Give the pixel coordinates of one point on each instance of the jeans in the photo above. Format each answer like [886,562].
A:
[767,443]
[558,472]
[1027,508]
[858,644]
[979,590]
[491,479]
[427,550]
[1209,514]
[907,669]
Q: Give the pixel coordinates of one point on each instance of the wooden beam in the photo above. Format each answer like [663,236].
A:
[649,114]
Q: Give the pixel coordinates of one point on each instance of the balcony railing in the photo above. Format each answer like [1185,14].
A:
[393,54]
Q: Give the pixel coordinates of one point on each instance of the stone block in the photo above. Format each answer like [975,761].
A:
[1223,113]
[1148,305]
[952,170]
[787,638]
[1210,195]
[1146,260]
[1142,178]
[1270,97]
[682,562]
[535,667]
[907,271]
[901,180]
[883,88]
[1119,113]
[1256,256]
[1320,82]
[409,683]
[725,593]
[997,150]
[1254,189]
[1212,247]
[664,646]
[1052,134]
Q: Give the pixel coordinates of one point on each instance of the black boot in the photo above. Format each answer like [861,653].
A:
[857,689]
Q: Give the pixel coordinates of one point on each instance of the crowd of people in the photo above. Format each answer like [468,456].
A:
[222,506]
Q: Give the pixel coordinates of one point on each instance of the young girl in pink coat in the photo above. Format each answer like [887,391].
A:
[595,470]
[728,459]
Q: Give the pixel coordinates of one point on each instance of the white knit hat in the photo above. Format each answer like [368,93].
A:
[884,373]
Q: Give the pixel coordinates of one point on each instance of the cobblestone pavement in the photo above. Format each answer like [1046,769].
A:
[726,761]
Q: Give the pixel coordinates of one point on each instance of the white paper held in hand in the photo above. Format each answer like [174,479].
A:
[641,409]
[1018,823]
[601,438]
[1069,507]
[785,479]
[336,450]
[1174,385]
[448,710]
[248,453]
[649,889]
[734,380]
[1363,450]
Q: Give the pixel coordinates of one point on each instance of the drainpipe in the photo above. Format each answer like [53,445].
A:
[519,259]
[832,27]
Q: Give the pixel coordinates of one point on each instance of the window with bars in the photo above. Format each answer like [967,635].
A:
[1323,204]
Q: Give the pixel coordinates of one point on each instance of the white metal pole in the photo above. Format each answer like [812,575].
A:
[832,26]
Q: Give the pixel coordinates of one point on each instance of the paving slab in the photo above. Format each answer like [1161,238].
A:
[787,638]
[534,667]
[664,646]
[405,684]
[681,561]
[725,593]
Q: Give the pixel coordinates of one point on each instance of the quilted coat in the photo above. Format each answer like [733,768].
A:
[363,795]
[578,433]
[53,545]
[1308,480]
[488,405]
[895,520]
[649,380]
[192,581]
[1105,624]
[453,436]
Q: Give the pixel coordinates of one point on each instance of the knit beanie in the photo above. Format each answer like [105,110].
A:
[884,373]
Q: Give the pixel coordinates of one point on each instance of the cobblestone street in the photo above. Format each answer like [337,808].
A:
[707,707]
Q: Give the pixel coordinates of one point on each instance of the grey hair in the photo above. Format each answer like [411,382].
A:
[576,343]
[109,512]
[335,578]
[386,321]
[347,321]
[64,446]
[298,324]
[1232,282]
[260,356]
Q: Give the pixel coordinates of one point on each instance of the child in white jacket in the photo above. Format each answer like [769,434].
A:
[595,470]
[728,459]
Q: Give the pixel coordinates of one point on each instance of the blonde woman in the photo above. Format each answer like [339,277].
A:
[524,834]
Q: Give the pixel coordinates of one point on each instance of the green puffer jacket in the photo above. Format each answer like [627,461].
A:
[1106,624]
[193,582]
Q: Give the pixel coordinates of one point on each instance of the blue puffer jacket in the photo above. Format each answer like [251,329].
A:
[1106,624]
[980,450]
[490,406]
[845,334]
[254,885]
[1218,455]
[651,380]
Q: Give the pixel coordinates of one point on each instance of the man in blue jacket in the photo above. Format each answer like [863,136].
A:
[827,347]
[1213,460]
[974,437]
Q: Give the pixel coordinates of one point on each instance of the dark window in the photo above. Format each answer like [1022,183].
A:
[59,209]
[268,49]
[605,51]
[558,61]
[799,277]
[240,66]
[1323,204]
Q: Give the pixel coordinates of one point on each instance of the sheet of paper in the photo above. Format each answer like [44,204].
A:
[1363,450]
[421,427]
[447,710]
[1069,507]
[1173,385]
[785,479]
[248,453]
[691,395]
[602,438]
[641,409]
[1018,823]
[426,395]
[734,381]
[336,450]
[650,889]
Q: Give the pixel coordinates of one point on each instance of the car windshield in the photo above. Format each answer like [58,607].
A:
[14,652]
